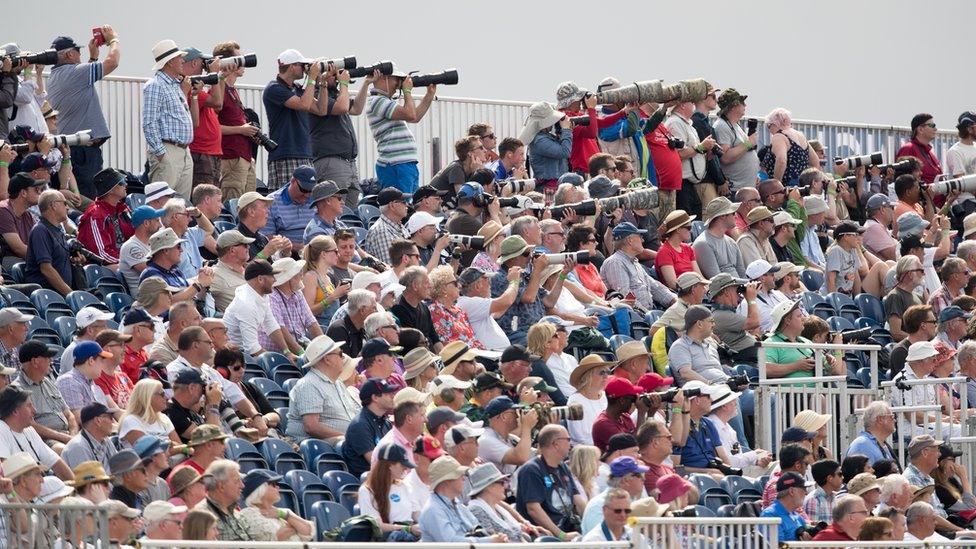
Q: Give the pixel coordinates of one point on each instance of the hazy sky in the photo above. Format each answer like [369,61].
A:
[852,61]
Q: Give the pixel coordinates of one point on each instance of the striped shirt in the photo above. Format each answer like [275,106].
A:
[394,142]
[315,393]
[293,314]
[165,113]
[287,217]
[71,90]
[79,391]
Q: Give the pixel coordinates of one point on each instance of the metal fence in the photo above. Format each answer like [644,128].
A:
[165,544]
[447,120]
[917,416]
[705,533]
[29,526]
[880,544]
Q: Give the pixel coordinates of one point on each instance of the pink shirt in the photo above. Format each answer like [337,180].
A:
[877,237]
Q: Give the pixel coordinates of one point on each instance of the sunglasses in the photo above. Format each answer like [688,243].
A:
[622,511]
[488,136]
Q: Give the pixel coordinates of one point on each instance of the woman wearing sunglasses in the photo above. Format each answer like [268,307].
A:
[589,379]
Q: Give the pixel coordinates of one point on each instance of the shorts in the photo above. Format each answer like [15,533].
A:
[206,169]
[404,176]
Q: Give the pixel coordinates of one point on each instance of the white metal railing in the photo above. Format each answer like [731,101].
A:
[880,544]
[28,526]
[166,544]
[944,424]
[705,533]
[447,120]
[780,399]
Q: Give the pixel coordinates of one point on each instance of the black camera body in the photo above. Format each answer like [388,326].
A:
[752,125]
[675,143]
[263,140]
[855,336]
[738,383]
[208,79]
[687,512]
[385,68]
[76,248]
[580,120]
[726,470]
[717,151]
[446,78]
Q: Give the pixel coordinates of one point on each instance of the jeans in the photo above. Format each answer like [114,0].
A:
[747,407]
[85,163]
[404,176]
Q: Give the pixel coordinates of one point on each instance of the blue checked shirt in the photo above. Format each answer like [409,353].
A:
[165,113]
[818,506]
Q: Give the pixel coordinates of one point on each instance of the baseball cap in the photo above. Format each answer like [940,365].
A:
[22,181]
[447,381]
[470,275]
[626,465]
[390,195]
[90,315]
[721,281]
[921,442]
[375,347]
[789,480]
[394,452]
[160,509]
[618,387]
[419,220]
[256,478]
[572,178]
[232,237]
[427,446]
[878,201]
[192,54]
[63,43]
[426,191]
[460,433]
[115,508]
[441,415]
[785,267]
[796,434]
[515,352]
[847,228]
[305,175]
[145,213]
[290,56]
[89,349]
[249,198]
[696,313]
[489,380]
[952,312]
[259,267]
[601,187]
[94,410]
[189,376]
[470,190]
[946,451]
[499,405]
[32,349]
[706,390]
[148,446]
[363,279]
[626,229]
[33,161]
[759,268]
[690,279]
[619,441]
[375,386]
[652,381]
[967,118]
[911,224]
[782,218]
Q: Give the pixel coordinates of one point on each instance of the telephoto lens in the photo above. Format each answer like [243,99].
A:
[517,186]
[965,184]
[46,57]
[581,256]
[446,78]
[580,120]
[248,61]
[385,67]
[79,139]
[341,63]
[873,159]
[208,79]
[472,241]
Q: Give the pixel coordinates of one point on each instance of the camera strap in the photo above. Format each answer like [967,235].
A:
[562,490]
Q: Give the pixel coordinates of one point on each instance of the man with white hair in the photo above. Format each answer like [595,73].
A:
[528,228]
[163,520]
[896,493]
[879,424]
[224,485]
[177,217]
[553,237]
[389,226]
[382,325]
[349,329]
[920,519]
[967,252]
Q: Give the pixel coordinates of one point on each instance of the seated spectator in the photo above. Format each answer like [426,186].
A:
[584,463]
[754,243]
[411,310]
[868,487]
[385,496]
[294,317]
[349,328]
[460,361]
[409,417]
[325,288]
[252,216]
[676,256]
[138,326]
[725,412]
[784,234]
[616,418]
[921,519]
[546,491]
[386,229]
[616,508]
[164,256]
[188,409]
[48,262]
[53,420]
[229,271]
[515,364]
[13,333]
[443,519]
[623,274]
[704,444]
[290,211]
[693,356]
[675,492]
[952,485]
[145,415]
[484,388]
[625,474]
[481,309]
[920,324]
[105,225]
[163,520]
[690,289]
[261,519]
[155,297]
[787,324]
[923,454]
[112,381]
[26,477]
[89,322]
[16,217]
[790,494]
[715,251]
[128,478]
[764,274]
[877,228]
[489,508]
[793,458]
[787,282]
[229,363]
[377,361]
[814,422]
[532,300]
[896,493]
[897,519]
[370,426]
[876,529]
[547,339]
[93,442]
[186,487]
[735,329]
[819,503]
[224,487]
[920,363]
[91,482]
[450,321]
[507,441]
[953,286]
[420,367]
[909,276]
[848,514]
[154,451]
[78,386]
[654,450]
[200,525]
[134,253]
[589,379]
[249,314]
[320,405]
[16,433]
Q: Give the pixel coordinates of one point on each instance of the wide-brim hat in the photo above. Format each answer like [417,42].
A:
[455,353]
[18,464]
[512,247]
[287,269]
[163,239]
[630,350]
[490,231]
[648,507]
[922,493]
[758,214]
[163,51]
[567,93]
[88,472]
[675,220]
[780,311]
[205,433]
[418,360]
[719,206]
[182,478]
[811,420]
[588,364]
[541,115]
[722,396]
[484,476]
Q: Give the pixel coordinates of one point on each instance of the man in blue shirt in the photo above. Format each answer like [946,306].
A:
[547,495]
[879,424]
[166,122]
[790,492]
[290,214]
[366,430]
[533,300]
[704,443]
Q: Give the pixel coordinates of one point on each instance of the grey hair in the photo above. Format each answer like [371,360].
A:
[520,224]
[375,321]
[384,208]
[172,207]
[891,485]
[547,224]
[47,198]
[411,275]
[360,299]
[562,193]
[256,496]
[966,351]
[874,411]
[614,482]
[966,249]
[843,506]
[219,471]
[918,510]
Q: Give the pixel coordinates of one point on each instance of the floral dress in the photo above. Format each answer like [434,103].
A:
[452,324]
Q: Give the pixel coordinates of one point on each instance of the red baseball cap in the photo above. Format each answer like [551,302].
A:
[619,387]
[653,381]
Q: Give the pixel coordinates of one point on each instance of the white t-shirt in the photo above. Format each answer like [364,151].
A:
[561,366]
[582,431]
[419,491]
[961,158]
[161,429]
[491,448]
[485,328]
[133,252]
[402,503]
[26,441]
[932,282]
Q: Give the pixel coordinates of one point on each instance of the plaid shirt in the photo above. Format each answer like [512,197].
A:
[941,299]
[818,505]
[625,275]
[10,357]
[79,391]
[918,479]
[381,235]
[292,313]
[165,113]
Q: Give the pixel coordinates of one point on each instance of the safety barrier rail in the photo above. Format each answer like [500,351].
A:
[935,419]
[447,120]
[166,544]
[28,526]
[705,533]
[880,544]
[780,399]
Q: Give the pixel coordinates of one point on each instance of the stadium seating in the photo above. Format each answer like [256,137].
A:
[80,299]
[812,279]
[327,515]
[308,489]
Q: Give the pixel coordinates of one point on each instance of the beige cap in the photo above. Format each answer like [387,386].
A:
[249,198]
[785,268]
[115,508]
[163,239]
[757,214]
[409,394]
[718,207]
[690,279]
[445,468]
[232,237]
[631,349]
[863,483]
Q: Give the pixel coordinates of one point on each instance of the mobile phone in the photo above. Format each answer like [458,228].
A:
[630,296]
[98,36]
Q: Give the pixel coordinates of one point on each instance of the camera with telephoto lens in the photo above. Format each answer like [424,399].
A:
[475,242]
[248,61]
[873,159]
[716,463]
[517,186]
[584,208]
[850,180]
[687,512]
[548,412]
[812,530]
[46,57]
[482,201]
[341,63]
[675,143]
[79,139]
[208,79]
[752,125]
[581,256]
[738,383]
[76,248]
[902,167]
[964,184]
[263,140]
[447,78]
[16,147]
[855,336]
[669,395]
[385,68]
[580,120]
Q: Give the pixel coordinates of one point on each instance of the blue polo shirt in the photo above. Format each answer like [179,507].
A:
[287,127]
[700,447]
[867,444]
[287,217]
[174,277]
[362,435]
[46,243]
[789,521]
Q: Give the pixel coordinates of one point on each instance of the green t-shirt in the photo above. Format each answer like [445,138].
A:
[786,356]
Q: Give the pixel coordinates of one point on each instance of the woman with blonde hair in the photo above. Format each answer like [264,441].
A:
[145,416]
[200,525]
[876,529]
[420,366]
[322,291]
[589,379]
[584,463]
[789,152]
[548,339]
[450,321]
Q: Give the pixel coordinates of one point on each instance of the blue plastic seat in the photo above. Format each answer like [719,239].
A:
[839,324]
[368,213]
[288,499]
[327,515]
[17,272]
[65,326]
[80,299]
[864,376]
[267,361]
[283,422]
[866,322]
[238,448]
[812,279]
[715,499]
[703,511]
[107,286]
[652,316]
[312,448]
[748,370]
[810,299]
[118,302]
[231,207]
[697,227]
[725,511]
[839,300]
[43,298]
[281,457]
[284,372]
[94,273]
[221,226]
[330,462]
[871,307]
[704,483]
[308,489]
[266,385]
[617,340]
[289,384]
[12,297]
[823,310]
[340,481]
[135,200]
[361,233]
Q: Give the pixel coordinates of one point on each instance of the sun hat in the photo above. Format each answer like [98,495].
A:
[512,247]
[718,207]
[541,115]
[482,477]
[286,269]
[163,51]
[567,93]
[444,468]
[586,365]
[88,472]
[811,420]
[670,487]
[921,350]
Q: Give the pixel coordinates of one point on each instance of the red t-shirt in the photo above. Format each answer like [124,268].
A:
[232,114]
[832,533]
[679,259]
[604,427]
[117,386]
[206,136]
[667,163]
[132,362]
[653,473]
[931,167]
[589,277]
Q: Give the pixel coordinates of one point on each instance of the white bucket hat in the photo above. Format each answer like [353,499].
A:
[541,115]
[163,51]
[288,267]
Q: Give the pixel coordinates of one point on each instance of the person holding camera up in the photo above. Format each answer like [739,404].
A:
[474,209]
[397,154]
[9,85]
[735,330]
[694,155]
[287,105]
[740,163]
[204,104]
[237,175]
[71,90]
[166,120]
[470,158]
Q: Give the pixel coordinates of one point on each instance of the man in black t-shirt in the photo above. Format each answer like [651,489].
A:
[410,309]
[184,409]
[547,495]
[367,428]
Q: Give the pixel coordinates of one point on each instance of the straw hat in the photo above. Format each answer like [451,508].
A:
[631,349]
[675,220]
[163,51]
[588,364]
[490,231]
[88,472]
[648,507]
[810,420]
[418,360]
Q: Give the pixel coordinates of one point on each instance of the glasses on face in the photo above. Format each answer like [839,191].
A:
[488,136]
[624,511]
[556,234]
[929,321]
[929,125]
[237,367]
[604,373]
